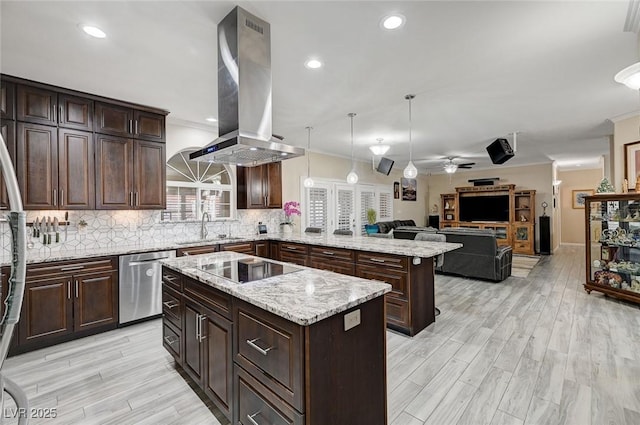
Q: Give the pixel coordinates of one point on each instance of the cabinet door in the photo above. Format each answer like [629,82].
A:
[36,105]
[8,131]
[114,173]
[113,119]
[46,310]
[262,249]
[254,195]
[75,112]
[95,299]
[242,247]
[217,332]
[150,175]
[193,351]
[76,167]
[37,165]
[148,126]
[7,100]
[273,181]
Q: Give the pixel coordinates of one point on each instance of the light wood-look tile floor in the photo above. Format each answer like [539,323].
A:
[535,350]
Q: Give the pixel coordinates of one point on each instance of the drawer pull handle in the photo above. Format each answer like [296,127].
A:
[170,304]
[170,340]
[169,278]
[68,269]
[292,248]
[328,253]
[377,260]
[263,351]
[253,421]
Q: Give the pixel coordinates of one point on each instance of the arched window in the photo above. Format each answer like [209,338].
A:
[195,187]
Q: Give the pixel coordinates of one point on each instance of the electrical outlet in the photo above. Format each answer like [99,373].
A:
[351,320]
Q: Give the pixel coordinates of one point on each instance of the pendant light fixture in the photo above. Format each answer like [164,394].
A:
[308,182]
[410,172]
[379,149]
[352,177]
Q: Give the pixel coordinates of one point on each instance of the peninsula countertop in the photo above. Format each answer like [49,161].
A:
[304,297]
[423,249]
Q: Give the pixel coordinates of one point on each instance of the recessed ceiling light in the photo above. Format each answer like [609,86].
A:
[93,31]
[392,22]
[211,119]
[313,64]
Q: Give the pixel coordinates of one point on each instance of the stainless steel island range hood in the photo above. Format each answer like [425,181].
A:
[244,96]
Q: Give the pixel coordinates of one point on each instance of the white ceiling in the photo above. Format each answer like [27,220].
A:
[480,70]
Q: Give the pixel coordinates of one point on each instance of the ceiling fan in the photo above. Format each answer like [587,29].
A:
[451,167]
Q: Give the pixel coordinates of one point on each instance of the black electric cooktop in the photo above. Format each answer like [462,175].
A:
[247,269]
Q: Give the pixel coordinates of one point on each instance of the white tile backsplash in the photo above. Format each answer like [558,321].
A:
[115,228]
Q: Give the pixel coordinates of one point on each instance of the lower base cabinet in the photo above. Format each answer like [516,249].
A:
[67,300]
[259,368]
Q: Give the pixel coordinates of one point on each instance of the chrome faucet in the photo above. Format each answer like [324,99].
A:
[203,229]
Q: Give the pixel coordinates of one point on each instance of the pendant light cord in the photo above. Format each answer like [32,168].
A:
[351,115]
[409,97]
[308,150]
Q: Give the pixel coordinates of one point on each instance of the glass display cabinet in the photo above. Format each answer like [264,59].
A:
[613,245]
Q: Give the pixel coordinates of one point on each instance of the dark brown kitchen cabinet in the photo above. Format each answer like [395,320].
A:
[36,105]
[207,352]
[196,250]
[66,300]
[127,122]
[75,112]
[55,167]
[7,100]
[8,131]
[295,253]
[262,249]
[260,187]
[130,174]
[241,247]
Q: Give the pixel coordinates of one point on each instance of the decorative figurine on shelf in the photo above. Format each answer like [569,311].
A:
[606,187]
[544,208]
[434,209]
[446,205]
[523,218]
[625,186]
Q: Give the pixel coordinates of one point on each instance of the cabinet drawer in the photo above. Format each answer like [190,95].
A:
[333,265]
[397,311]
[294,247]
[243,248]
[394,277]
[171,341]
[210,297]
[293,257]
[171,279]
[386,260]
[196,250]
[270,348]
[256,404]
[68,267]
[171,307]
[332,253]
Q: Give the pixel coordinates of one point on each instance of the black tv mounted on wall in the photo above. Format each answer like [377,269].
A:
[384,166]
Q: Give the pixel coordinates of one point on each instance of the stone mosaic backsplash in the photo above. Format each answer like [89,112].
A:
[119,228]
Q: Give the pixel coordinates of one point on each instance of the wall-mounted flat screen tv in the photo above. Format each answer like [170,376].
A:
[484,208]
[385,165]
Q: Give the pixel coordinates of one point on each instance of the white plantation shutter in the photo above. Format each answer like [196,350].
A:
[317,207]
[345,207]
[367,199]
[385,205]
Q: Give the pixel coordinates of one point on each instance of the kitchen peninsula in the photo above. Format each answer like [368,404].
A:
[271,342]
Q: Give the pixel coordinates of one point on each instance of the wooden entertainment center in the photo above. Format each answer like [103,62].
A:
[518,231]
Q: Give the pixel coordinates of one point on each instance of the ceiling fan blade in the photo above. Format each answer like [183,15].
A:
[467,165]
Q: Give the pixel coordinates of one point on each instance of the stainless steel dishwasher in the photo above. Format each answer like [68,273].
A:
[141,285]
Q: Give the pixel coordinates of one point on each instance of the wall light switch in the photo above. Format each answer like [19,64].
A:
[351,320]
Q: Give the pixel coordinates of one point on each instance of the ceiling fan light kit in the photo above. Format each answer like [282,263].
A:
[630,76]
[410,171]
[379,149]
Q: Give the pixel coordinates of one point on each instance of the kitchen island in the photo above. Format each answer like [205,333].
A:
[270,342]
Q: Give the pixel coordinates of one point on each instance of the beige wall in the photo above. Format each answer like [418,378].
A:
[572,220]
[337,168]
[624,131]
[181,136]
[537,177]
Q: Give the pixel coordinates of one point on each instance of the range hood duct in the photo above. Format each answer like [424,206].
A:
[244,96]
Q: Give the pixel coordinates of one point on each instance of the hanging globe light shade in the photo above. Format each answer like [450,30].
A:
[410,171]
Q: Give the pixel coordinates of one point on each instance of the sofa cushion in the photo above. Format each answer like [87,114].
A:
[386,226]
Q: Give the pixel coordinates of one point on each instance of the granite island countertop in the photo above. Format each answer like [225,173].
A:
[304,297]
[423,249]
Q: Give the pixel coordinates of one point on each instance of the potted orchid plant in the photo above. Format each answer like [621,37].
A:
[290,209]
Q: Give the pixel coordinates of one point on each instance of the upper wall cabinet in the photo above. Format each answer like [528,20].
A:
[126,122]
[37,105]
[75,112]
[7,100]
[260,187]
